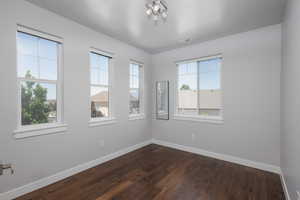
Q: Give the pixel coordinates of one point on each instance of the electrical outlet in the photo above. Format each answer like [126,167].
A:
[6,167]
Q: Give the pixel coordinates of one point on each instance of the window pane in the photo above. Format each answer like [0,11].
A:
[48,59]
[48,69]
[27,44]
[95,76]
[134,85]
[39,103]
[37,57]
[134,82]
[187,88]
[187,79]
[134,76]
[134,105]
[134,69]
[93,60]
[48,49]
[99,69]
[103,76]
[27,66]
[210,87]
[99,102]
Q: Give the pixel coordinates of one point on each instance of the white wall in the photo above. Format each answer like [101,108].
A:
[251,82]
[38,157]
[290,104]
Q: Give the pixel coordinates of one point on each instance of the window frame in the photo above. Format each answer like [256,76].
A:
[141,89]
[98,121]
[23,131]
[200,118]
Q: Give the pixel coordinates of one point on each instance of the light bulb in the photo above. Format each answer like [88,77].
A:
[149,11]
[156,7]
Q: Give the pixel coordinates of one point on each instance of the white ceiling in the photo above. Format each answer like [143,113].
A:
[199,20]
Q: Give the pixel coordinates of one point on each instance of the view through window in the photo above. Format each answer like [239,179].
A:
[99,74]
[135,74]
[199,87]
[38,63]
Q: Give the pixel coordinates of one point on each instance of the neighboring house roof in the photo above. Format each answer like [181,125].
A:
[100,97]
[209,99]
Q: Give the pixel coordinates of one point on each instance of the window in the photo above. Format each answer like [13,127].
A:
[39,82]
[136,89]
[100,90]
[199,92]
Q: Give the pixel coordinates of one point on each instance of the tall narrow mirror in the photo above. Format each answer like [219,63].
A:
[162,100]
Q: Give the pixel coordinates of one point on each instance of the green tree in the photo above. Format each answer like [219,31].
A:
[35,109]
[185,87]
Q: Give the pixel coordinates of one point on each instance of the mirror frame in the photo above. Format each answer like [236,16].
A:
[168,99]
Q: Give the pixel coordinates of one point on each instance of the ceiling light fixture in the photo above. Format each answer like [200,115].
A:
[157,9]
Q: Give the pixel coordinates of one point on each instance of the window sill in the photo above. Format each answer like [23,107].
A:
[101,122]
[136,117]
[38,130]
[213,120]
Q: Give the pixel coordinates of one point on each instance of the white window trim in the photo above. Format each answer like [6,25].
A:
[111,115]
[199,59]
[102,121]
[141,115]
[47,128]
[40,129]
[208,119]
[134,117]
[39,33]
[199,118]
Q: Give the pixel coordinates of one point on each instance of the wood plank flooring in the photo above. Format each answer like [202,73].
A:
[159,173]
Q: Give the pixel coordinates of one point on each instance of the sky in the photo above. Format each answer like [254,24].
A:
[40,57]
[134,76]
[209,74]
[99,69]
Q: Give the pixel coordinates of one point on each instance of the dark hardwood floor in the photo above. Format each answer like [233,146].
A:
[160,173]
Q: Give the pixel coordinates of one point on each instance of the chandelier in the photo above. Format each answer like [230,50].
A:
[157,9]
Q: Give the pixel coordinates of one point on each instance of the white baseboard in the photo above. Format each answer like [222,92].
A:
[245,162]
[66,173]
[69,172]
[284,186]
[233,159]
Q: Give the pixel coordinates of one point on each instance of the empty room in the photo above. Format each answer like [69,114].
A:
[149,100]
